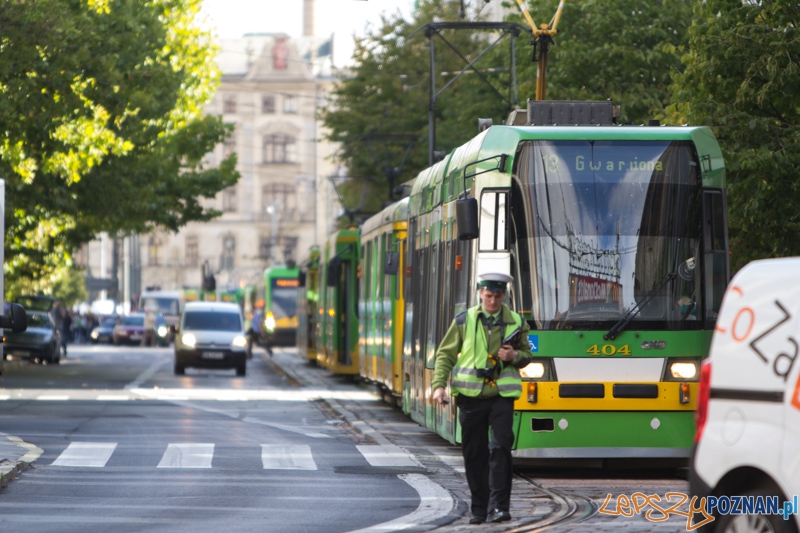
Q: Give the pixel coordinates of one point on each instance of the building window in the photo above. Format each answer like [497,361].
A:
[278,148]
[228,252]
[289,104]
[279,201]
[264,248]
[229,103]
[267,104]
[229,199]
[154,248]
[191,251]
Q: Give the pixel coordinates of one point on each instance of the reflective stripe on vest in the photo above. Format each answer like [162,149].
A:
[467,379]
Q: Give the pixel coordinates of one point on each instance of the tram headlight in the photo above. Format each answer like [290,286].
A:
[269,322]
[188,340]
[683,370]
[535,370]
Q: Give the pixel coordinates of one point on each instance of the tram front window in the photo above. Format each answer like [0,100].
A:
[284,302]
[606,223]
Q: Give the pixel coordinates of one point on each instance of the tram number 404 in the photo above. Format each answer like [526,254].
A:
[609,349]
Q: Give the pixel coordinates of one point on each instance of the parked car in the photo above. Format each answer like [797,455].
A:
[746,461]
[41,341]
[104,331]
[130,330]
[211,335]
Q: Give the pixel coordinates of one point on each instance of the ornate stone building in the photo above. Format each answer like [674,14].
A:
[272,86]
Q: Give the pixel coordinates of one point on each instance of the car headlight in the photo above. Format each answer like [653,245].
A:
[683,370]
[240,341]
[162,331]
[270,322]
[533,370]
[94,334]
[189,340]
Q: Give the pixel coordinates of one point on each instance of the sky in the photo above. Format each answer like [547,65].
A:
[234,18]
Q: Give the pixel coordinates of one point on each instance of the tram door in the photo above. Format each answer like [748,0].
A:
[343,312]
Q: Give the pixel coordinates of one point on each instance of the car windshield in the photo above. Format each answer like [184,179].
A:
[212,321]
[38,321]
[133,321]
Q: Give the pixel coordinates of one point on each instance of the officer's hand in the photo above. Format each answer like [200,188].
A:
[440,396]
[507,353]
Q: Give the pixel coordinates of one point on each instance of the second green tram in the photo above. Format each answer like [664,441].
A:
[280,306]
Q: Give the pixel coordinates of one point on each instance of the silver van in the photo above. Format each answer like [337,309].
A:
[211,335]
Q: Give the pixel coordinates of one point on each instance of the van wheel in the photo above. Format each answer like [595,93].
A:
[179,369]
[756,523]
[241,370]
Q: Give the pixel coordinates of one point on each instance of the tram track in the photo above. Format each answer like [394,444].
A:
[569,509]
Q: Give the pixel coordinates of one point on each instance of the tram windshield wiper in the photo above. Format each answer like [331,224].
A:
[684,269]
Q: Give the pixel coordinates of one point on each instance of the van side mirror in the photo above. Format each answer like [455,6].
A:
[392,263]
[16,320]
[467,218]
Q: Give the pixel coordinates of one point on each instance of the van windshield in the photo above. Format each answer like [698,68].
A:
[211,321]
[163,304]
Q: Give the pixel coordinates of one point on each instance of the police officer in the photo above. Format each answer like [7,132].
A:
[492,341]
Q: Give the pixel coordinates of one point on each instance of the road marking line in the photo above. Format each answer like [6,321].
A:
[4,397]
[387,456]
[435,502]
[111,397]
[187,456]
[277,457]
[147,374]
[88,454]
[53,397]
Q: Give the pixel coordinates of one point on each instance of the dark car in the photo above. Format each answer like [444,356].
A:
[130,330]
[104,331]
[40,342]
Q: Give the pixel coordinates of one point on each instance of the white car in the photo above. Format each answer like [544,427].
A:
[211,335]
[747,453]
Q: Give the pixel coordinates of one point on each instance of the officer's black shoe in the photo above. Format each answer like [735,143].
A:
[477,520]
[498,516]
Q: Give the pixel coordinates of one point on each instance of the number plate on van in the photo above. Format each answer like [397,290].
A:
[213,355]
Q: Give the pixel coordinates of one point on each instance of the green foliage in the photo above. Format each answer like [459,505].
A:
[102,125]
[742,78]
[65,283]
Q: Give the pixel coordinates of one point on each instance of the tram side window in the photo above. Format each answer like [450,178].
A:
[716,255]
[493,221]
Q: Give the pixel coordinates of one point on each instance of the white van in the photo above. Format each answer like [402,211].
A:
[168,303]
[748,414]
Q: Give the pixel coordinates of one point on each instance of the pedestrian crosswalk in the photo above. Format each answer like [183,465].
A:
[201,455]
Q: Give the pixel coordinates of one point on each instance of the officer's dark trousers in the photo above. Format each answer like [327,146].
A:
[487,462]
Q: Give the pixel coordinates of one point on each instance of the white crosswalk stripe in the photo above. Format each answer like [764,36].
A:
[201,455]
[185,455]
[387,456]
[277,457]
[88,454]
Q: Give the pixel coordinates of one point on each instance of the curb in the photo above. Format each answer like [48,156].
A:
[10,470]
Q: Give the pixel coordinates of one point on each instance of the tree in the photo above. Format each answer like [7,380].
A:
[741,77]
[102,125]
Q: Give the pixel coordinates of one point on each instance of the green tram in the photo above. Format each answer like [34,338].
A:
[280,305]
[337,328]
[381,300]
[307,303]
[616,237]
